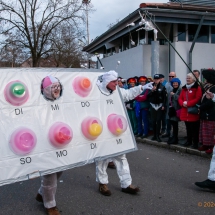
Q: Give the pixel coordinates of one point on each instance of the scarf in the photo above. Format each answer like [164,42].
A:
[188,86]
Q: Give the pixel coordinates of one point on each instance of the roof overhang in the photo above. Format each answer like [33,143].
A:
[165,13]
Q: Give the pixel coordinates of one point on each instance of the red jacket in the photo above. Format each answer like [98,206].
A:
[192,96]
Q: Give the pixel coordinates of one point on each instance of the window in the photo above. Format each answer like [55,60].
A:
[125,42]
[142,39]
[212,34]
[203,36]
[150,37]
[134,38]
[181,32]
[120,45]
[113,50]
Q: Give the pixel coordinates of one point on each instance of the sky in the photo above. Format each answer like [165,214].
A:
[109,11]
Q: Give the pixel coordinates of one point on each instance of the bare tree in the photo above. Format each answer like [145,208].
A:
[11,54]
[33,21]
[64,45]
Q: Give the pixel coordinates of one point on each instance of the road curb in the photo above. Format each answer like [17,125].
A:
[174,147]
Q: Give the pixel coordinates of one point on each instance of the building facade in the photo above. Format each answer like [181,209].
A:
[189,28]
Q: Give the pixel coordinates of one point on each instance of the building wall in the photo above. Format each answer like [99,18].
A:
[203,57]
[136,61]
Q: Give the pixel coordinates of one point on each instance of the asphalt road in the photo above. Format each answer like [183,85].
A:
[166,179]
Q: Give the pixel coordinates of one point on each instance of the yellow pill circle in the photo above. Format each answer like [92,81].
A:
[95,129]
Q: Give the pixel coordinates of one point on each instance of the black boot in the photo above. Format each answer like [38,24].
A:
[207,184]
[170,138]
[173,140]
[154,138]
[186,144]
[194,146]
[158,139]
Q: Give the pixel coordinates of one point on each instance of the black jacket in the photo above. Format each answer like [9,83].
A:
[158,96]
[207,108]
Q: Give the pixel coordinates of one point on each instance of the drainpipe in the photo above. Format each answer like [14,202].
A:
[194,41]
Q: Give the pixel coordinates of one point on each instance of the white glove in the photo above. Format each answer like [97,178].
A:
[148,86]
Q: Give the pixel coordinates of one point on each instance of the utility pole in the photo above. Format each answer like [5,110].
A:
[87,2]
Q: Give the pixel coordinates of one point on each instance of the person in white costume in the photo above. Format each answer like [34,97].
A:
[51,90]
[107,84]
[47,191]
[210,182]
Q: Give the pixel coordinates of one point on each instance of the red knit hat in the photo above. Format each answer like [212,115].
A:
[131,80]
[142,78]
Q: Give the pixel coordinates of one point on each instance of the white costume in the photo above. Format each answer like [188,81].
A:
[211,173]
[120,161]
[48,189]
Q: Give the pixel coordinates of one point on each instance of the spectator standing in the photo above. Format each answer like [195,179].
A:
[190,95]
[142,109]
[157,99]
[130,106]
[196,73]
[163,121]
[169,88]
[120,83]
[150,79]
[174,119]
[162,80]
[207,114]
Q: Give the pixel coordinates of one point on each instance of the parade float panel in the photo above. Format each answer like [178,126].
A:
[40,136]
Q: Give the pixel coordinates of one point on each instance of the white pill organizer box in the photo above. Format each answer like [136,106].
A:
[53,119]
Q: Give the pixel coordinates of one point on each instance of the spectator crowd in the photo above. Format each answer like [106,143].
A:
[157,112]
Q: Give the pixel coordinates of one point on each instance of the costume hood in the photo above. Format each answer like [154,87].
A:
[105,79]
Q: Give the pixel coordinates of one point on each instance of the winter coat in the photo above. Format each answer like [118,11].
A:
[175,104]
[192,96]
[207,107]
[158,96]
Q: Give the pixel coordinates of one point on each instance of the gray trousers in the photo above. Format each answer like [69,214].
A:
[48,189]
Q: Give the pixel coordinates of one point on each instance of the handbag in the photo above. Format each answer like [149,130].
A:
[194,109]
[178,113]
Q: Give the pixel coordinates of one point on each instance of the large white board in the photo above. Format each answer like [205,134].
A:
[39,115]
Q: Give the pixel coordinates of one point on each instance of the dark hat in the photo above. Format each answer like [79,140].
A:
[209,75]
[161,76]
[131,80]
[156,76]
[142,78]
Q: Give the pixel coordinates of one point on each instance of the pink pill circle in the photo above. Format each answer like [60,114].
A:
[60,134]
[23,141]
[16,93]
[117,124]
[82,86]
